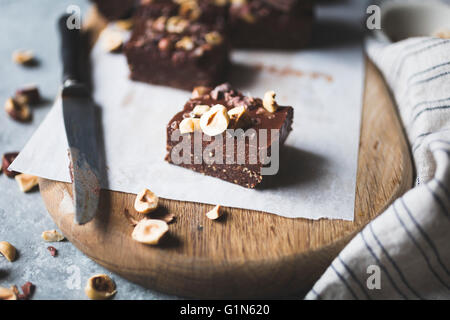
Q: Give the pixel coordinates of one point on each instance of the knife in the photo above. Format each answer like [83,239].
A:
[81,123]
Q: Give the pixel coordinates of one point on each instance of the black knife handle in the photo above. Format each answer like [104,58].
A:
[70,50]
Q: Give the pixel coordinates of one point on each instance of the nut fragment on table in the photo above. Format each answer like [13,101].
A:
[215,213]
[7,250]
[7,294]
[26,182]
[112,40]
[149,231]
[53,251]
[269,102]
[215,121]
[28,95]
[7,159]
[24,57]
[15,290]
[27,291]
[146,201]
[189,125]
[52,236]
[18,110]
[100,287]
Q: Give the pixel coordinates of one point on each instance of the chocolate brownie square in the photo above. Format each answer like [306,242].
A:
[115,9]
[224,134]
[271,24]
[177,52]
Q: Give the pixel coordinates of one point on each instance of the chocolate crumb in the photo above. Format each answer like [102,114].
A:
[53,251]
[28,290]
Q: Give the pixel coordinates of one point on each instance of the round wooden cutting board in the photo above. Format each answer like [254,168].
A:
[246,254]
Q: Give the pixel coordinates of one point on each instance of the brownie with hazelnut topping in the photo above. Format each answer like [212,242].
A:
[115,9]
[207,11]
[224,134]
[177,52]
[271,24]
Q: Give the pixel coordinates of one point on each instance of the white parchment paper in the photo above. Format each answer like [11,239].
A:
[318,167]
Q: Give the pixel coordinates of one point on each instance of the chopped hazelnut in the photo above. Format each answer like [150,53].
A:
[185,43]
[215,121]
[52,236]
[200,109]
[7,294]
[215,213]
[146,201]
[24,57]
[198,52]
[190,9]
[112,40]
[239,118]
[17,110]
[189,125]
[176,24]
[28,95]
[7,159]
[164,44]
[269,102]
[200,92]
[213,38]
[100,287]
[8,250]
[125,24]
[26,181]
[149,231]
[160,24]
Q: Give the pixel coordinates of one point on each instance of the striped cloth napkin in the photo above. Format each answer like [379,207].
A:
[405,252]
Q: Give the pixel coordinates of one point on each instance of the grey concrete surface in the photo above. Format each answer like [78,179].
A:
[30,24]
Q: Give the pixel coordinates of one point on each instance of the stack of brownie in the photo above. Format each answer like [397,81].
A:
[186,43]
[179,45]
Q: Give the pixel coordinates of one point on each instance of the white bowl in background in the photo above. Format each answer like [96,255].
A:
[402,19]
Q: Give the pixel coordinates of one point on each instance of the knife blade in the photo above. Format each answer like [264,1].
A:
[81,124]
